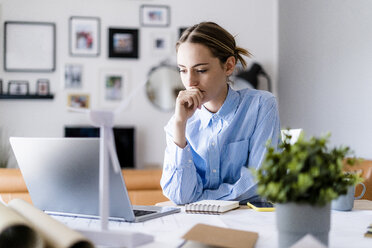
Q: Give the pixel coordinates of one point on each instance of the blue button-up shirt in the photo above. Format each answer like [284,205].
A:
[220,148]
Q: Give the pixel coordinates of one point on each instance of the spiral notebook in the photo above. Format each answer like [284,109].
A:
[211,206]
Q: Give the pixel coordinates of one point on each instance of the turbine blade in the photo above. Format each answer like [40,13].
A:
[123,104]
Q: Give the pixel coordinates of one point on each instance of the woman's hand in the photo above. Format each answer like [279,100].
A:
[186,104]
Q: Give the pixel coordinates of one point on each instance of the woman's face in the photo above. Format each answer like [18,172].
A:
[200,69]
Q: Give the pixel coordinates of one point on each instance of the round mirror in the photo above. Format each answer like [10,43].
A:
[162,87]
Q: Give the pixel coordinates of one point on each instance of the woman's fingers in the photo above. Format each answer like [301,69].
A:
[191,98]
[197,96]
[187,102]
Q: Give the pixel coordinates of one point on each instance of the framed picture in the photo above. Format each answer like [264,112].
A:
[114,86]
[123,43]
[155,15]
[161,43]
[1,86]
[180,31]
[78,100]
[42,87]
[18,88]
[29,46]
[73,76]
[84,36]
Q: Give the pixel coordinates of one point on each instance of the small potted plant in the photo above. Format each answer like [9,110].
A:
[303,178]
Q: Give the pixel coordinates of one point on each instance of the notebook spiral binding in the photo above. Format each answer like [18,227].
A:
[199,208]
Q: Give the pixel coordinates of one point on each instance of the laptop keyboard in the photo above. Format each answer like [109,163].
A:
[138,213]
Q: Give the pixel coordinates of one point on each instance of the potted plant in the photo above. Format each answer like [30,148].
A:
[302,178]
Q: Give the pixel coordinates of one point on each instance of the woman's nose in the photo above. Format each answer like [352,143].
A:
[192,79]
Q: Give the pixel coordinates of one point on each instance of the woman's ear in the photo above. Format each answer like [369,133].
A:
[230,65]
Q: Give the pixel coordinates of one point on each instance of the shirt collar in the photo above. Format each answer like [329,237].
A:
[226,112]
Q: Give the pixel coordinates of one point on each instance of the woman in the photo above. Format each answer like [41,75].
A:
[216,133]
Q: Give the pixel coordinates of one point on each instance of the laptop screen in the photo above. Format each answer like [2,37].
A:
[62,175]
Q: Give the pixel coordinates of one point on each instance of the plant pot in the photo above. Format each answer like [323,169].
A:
[296,220]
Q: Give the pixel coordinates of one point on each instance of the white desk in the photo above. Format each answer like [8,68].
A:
[347,228]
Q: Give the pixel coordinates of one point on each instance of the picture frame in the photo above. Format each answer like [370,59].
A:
[73,76]
[181,30]
[42,87]
[155,15]
[161,43]
[38,54]
[84,36]
[75,100]
[114,86]
[1,86]
[18,88]
[123,43]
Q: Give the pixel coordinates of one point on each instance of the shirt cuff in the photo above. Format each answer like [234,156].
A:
[183,156]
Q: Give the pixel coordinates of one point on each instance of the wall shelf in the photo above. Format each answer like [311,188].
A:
[26,97]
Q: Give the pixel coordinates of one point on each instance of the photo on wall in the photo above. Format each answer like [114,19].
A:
[78,100]
[180,31]
[42,87]
[84,36]
[29,46]
[123,43]
[114,86]
[73,76]
[161,43]
[17,87]
[155,15]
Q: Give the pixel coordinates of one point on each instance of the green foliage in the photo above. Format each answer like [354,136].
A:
[305,172]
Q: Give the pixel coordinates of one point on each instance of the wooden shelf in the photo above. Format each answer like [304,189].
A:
[26,97]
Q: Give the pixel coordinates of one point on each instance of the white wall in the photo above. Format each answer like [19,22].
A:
[253,21]
[325,75]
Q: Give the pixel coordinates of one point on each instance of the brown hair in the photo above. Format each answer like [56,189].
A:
[220,42]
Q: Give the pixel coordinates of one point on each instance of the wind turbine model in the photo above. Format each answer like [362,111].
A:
[104,119]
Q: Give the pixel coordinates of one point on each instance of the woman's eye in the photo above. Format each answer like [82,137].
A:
[181,70]
[201,71]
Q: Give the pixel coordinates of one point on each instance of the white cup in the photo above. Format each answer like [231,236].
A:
[346,202]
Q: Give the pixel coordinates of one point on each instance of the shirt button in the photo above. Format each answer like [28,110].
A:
[214,171]
[190,161]
[188,149]
[213,144]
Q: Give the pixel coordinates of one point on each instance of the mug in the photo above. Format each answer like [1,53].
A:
[346,202]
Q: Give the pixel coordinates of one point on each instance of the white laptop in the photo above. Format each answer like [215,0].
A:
[62,177]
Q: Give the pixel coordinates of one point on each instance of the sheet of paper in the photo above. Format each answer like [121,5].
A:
[168,229]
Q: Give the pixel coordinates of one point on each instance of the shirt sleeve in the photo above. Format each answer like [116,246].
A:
[180,181]
[267,129]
